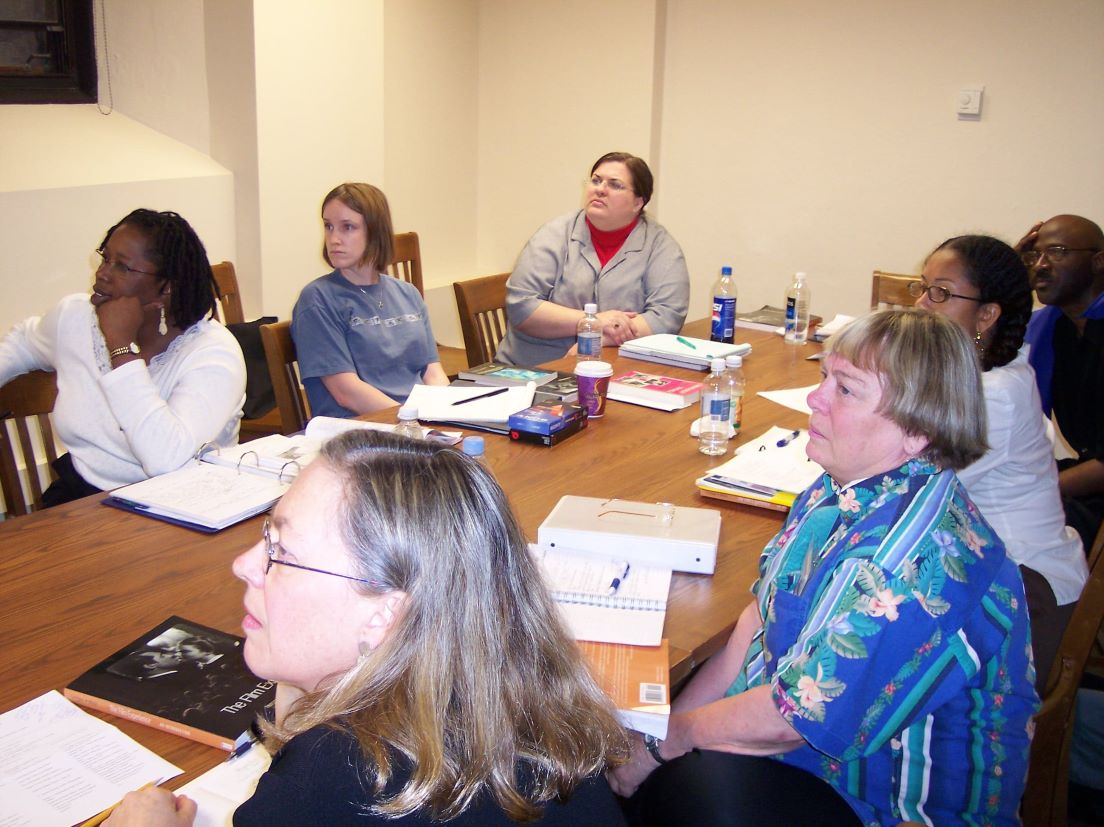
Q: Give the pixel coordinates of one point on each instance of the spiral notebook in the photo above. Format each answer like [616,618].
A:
[606,599]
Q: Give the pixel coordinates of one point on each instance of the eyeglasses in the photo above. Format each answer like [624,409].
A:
[936,294]
[614,184]
[1055,252]
[117,267]
[274,549]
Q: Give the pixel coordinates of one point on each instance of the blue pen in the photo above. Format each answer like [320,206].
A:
[782,443]
[132,504]
[615,584]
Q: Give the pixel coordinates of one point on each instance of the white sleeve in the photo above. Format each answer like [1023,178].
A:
[29,346]
[165,433]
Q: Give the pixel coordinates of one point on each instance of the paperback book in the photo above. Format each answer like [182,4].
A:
[499,375]
[654,391]
[638,681]
[768,318]
[180,677]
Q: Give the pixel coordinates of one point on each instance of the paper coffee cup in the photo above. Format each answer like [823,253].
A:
[593,378]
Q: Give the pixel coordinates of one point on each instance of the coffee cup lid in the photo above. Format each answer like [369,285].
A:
[593,367]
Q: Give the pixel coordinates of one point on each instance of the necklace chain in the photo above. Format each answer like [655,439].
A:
[379,302]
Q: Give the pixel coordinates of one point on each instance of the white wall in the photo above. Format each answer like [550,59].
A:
[822,136]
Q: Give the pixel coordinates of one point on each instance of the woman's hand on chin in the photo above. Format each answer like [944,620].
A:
[153,807]
[120,318]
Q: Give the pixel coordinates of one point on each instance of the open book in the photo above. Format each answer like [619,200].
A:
[606,598]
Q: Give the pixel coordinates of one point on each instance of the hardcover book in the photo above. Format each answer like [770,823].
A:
[654,391]
[499,375]
[180,677]
[564,388]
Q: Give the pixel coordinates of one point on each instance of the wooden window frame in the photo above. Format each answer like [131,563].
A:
[78,83]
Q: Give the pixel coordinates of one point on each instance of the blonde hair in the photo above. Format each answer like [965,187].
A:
[371,204]
[931,380]
[477,675]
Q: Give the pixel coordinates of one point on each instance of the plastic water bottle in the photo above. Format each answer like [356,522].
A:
[723,328]
[734,378]
[797,311]
[588,334]
[474,447]
[715,403]
[408,423]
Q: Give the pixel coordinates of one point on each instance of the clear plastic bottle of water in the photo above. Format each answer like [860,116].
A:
[588,334]
[408,423]
[723,311]
[797,311]
[734,378]
[715,402]
[475,447]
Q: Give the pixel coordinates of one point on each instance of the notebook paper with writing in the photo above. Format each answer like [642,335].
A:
[606,599]
[768,472]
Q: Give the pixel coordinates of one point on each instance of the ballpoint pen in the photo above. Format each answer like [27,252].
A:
[615,584]
[687,342]
[481,396]
[782,443]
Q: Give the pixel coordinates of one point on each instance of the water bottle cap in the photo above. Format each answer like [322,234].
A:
[734,361]
[590,308]
[717,365]
[408,413]
[473,446]
[799,277]
[726,271]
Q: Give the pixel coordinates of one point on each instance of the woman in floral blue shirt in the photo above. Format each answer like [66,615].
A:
[883,672]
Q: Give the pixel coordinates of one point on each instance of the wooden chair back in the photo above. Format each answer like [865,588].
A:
[890,290]
[482,306]
[227,292]
[25,406]
[1046,796]
[408,260]
[291,400]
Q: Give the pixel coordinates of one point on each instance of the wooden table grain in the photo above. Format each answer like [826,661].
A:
[79,581]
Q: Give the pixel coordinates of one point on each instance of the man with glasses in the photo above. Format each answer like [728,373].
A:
[1065,260]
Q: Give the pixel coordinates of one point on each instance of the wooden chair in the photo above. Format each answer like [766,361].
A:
[227,292]
[27,402]
[408,260]
[891,290]
[291,400]
[481,303]
[1046,796]
[229,297]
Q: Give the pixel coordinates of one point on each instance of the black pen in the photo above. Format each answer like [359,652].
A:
[481,396]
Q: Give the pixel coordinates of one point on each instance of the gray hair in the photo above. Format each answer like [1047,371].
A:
[931,380]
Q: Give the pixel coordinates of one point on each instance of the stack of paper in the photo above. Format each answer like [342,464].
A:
[768,472]
[447,403]
[680,351]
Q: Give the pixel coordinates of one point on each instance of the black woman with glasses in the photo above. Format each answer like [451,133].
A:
[981,284]
[423,672]
[144,376]
[1066,257]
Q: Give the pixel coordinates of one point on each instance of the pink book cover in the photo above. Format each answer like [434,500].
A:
[634,379]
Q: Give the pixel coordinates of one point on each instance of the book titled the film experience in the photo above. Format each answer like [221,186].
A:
[181,677]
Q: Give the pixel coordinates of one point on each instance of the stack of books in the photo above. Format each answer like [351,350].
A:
[556,385]
[548,422]
[680,351]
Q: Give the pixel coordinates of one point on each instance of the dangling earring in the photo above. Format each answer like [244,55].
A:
[163,328]
[979,346]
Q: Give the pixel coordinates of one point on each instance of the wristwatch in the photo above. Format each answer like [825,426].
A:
[651,743]
[123,351]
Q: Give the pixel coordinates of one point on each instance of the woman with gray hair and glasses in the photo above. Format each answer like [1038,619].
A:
[423,671]
[882,673]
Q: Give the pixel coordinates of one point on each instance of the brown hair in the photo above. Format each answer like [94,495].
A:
[371,203]
[642,182]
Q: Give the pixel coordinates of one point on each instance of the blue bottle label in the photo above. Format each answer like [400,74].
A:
[590,344]
[723,327]
[716,407]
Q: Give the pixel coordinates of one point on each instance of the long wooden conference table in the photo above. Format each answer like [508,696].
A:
[80,581]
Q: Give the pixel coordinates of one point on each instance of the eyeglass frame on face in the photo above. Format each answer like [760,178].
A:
[270,559]
[613,184]
[918,288]
[1056,253]
[115,266]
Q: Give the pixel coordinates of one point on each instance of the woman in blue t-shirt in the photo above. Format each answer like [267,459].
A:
[362,338]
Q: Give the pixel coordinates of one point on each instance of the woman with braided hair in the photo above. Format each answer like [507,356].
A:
[981,284]
[145,377]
